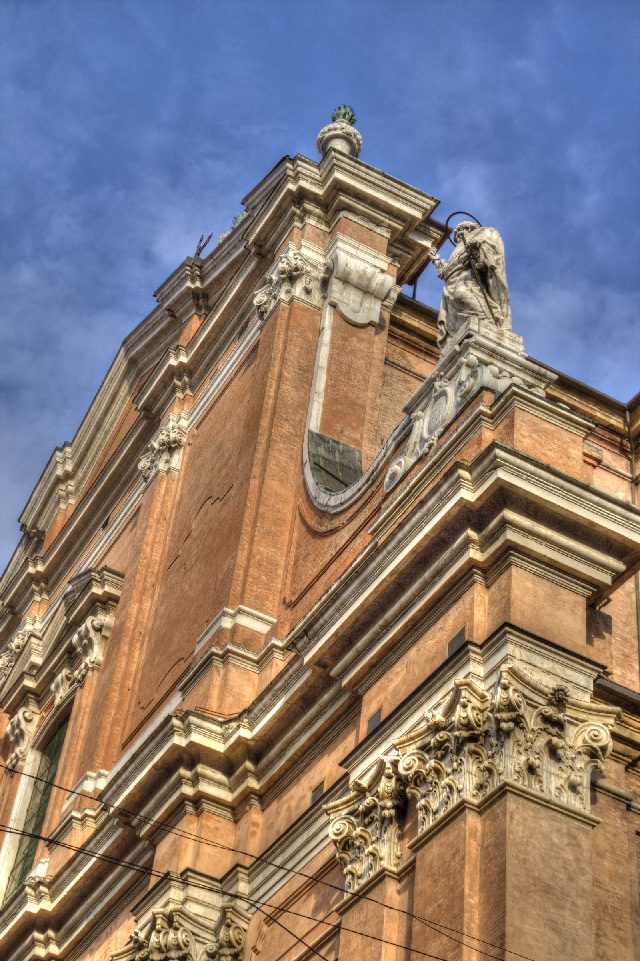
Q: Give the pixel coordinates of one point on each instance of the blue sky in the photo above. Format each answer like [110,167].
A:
[130,128]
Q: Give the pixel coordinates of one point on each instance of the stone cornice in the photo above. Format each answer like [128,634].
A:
[594,514]
[222,286]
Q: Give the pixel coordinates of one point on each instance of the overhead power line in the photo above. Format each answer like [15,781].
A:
[436,926]
[259,904]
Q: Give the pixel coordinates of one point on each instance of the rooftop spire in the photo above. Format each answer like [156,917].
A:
[341,134]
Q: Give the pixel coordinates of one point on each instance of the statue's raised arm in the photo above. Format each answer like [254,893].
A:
[475,295]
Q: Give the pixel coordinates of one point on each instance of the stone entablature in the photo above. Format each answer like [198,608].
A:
[482,737]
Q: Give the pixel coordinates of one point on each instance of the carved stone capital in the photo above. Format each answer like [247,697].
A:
[164,452]
[523,723]
[20,731]
[498,737]
[187,917]
[294,274]
[366,825]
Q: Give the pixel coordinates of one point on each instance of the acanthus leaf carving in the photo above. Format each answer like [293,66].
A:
[366,825]
[292,274]
[170,936]
[165,450]
[484,739]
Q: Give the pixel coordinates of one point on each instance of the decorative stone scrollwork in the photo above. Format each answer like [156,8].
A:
[169,937]
[357,285]
[476,363]
[293,274]
[166,939]
[16,644]
[89,641]
[484,740]
[366,826]
[61,685]
[164,453]
[20,731]
[229,942]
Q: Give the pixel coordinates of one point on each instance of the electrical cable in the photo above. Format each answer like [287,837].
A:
[179,832]
[155,873]
[141,869]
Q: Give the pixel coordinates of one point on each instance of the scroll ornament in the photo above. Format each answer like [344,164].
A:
[292,274]
[88,642]
[11,652]
[484,741]
[20,731]
[165,450]
[168,938]
[366,825]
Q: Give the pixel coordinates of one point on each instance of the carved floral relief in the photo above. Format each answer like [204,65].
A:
[292,274]
[484,740]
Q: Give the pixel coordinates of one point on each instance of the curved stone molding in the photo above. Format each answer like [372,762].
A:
[366,825]
[296,273]
[475,364]
[20,731]
[482,741]
[164,452]
[357,288]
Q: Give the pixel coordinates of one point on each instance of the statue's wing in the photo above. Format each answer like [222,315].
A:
[491,259]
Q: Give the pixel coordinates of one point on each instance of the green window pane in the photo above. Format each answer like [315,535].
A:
[36,811]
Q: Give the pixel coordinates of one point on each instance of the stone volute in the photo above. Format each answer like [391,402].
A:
[341,133]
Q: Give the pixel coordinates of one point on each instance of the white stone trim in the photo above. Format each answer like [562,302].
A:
[228,618]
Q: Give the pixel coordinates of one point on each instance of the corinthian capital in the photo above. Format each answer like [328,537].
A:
[366,825]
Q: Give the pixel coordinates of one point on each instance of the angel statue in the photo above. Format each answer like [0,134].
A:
[475,281]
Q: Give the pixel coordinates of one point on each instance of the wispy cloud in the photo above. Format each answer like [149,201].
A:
[128,133]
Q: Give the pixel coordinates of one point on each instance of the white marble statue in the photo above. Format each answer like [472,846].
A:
[475,287]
